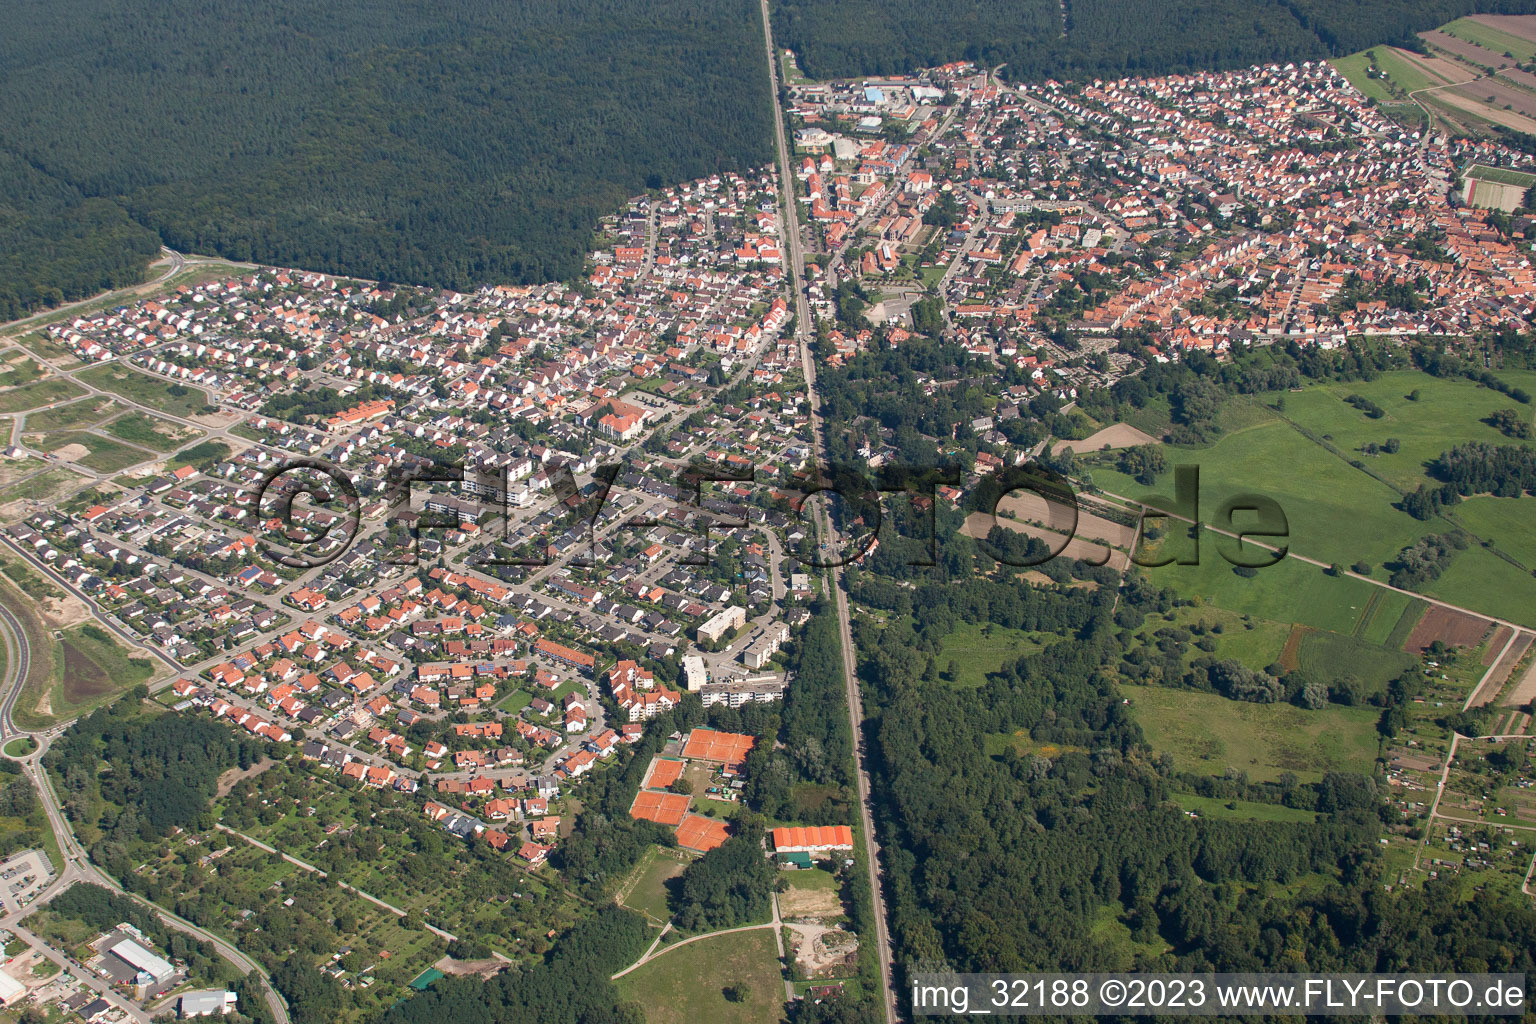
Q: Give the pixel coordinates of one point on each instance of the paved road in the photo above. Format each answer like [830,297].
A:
[828,533]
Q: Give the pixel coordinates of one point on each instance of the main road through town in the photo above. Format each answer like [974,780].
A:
[827,529]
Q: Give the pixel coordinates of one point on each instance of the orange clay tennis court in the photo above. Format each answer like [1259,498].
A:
[700,833]
[726,747]
[663,808]
[663,774]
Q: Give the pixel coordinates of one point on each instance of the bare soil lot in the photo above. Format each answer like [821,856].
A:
[1453,628]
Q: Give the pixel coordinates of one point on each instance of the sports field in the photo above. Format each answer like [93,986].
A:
[1502,175]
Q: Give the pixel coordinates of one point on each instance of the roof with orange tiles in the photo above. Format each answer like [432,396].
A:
[813,837]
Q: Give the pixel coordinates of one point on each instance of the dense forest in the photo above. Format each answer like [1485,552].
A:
[1005,861]
[443,144]
[1047,38]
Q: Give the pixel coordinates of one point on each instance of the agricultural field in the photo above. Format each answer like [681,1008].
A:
[1209,734]
[1476,30]
[686,984]
[175,399]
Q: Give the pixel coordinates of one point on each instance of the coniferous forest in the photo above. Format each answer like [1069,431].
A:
[446,144]
[1067,38]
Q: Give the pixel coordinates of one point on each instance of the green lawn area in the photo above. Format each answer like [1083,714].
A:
[1408,76]
[979,648]
[515,701]
[95,668]
[1354,68]
[645,891]
[1289,591]
[38,393]
[1497,40]
[1114,936]
[150,431]
[1333,512]
[1502,175]
[1509,522]
[814,880]
[1256,643]
[1340,513]
[1447,412]
[685,985]
[86,412]
[1208,733]
[1481,580]
[21,746]
[39,344]
[1242,810]
[176,399]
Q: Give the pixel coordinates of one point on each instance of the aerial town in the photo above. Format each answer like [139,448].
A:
[452,552]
